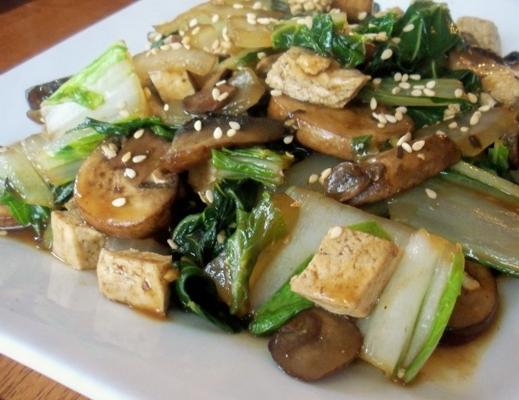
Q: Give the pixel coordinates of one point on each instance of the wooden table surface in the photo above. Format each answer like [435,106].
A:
[26,28]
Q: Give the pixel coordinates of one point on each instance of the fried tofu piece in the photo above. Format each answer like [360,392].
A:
[172,85]
[481,33]
[306,76]
[74,242]
[348,273]
[136,278]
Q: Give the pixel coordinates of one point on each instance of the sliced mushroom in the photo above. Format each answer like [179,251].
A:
[7,221]
[354,9]
[191,147]
[332,131]
[117,195]
[209,99]
[476,309]
[392,171]
[36,94]
[497,78]
[315,344]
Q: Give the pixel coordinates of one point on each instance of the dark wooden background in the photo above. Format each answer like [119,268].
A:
[28,27]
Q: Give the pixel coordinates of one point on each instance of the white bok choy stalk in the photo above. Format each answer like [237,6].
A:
[108,90]
[408,321]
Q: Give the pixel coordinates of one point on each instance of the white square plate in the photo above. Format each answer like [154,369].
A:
[53,319]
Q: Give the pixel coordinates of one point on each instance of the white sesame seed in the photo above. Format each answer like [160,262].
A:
[195,31]
[166,107]
[215,18]
[220,238]
[405,85]
[396,40]
[257,6]
[464,129]
[193,23]
[396,90]
[126,157]
[419,145]
[276,93]
[431,193]
[402,109]
[198,125]
[263,21]
[390,118]
[108,152]
[373,103]
[223,96]
[430,85]
[377,81]
[415,77]
[165,47]
[474,120]
[231,132]
[215,93]
[472,98]
[408,28]
[453,125]
[441,134]
[235,125]
[386,54]
[458,93]
[362,16]
[469,283]
[138,134]
[484,108]
[407,147]
[119,202]
[404,139]
[130,173]
[172,244]
[209,195]
[313,179]
[399,116]
[381,125]
[335,232]
[176,46]
[405,77]
[288,139]
[140,158]
[324,175]
[237,6]
[421,156]
[261,55]
[217,133]
[416,93]
[397,77]
[429,92]
[124,113]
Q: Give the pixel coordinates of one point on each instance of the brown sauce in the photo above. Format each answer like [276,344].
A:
[24,236]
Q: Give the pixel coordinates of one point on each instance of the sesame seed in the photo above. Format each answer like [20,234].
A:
[222,97]
[288,139]
[373,103]
[231,132]
[405,77]
[215,18]
[362,16]
[484,108]
[386,54]
[430,85]
[464,129]
[257,6]
[474,120]
[429,92]
[335,232]
[313,179]
[324,175]
[165,47]
[172,244]
[397,77]
[237,6]
[195,31]
[217,133]
[276,93]
[381,125]
[416,93]
[108,152]
[138,134]
[408,28]
[453,125]
[421,156]
[441,134]
[176,46]
[415,77]
[469,283]
[261,55]
[119,202]
[193,23]
[209,195]
[166,107]
[220,238]
[263,21]
[431,193]
[126,157]
[377,81]
[402,109]
[458,93]
[419,145]
[198,125]
[405,85]
[472,98]
[130,173]
[235,125]
[404,139]
[215,93]
[390,118]
[124,113]
[396,90]
[407,147]
[140,158]
[399,116]
[396,40]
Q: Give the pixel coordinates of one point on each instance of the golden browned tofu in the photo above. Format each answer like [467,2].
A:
[137,278]
[308,77]
[482,32]
[74,242]
[172,85]
[348,273]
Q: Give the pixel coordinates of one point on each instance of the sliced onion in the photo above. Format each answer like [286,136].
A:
[250,90]
[249,36]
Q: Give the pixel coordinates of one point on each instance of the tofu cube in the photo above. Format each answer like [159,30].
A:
[481,33]
[172,85]
[137,278]
[74,242]
[348,273]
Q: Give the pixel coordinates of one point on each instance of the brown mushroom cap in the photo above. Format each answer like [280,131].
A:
[315,344]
